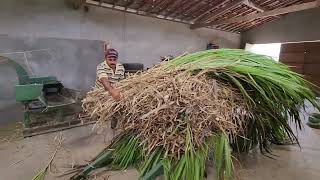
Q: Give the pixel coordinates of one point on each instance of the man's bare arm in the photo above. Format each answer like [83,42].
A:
[115,93]
[106,84]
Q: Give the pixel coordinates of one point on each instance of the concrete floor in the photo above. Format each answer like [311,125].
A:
[21,159]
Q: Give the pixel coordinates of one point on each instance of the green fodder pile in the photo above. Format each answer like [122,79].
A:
[203,104]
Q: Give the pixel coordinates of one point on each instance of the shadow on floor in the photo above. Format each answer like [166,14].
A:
[11,122]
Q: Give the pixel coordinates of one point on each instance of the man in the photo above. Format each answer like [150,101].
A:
[109,72]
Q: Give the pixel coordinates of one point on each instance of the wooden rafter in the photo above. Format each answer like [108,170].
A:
[241,25]
[275,12]
[166,6]
[236,11]
[269,19]
[254,5]
[203,8]
[109,6]
[235,14]
[143,4]
[151,6]
[191,10]
[217,13]
[206,12]
[187,7]
[115,3]
[129,3]
[158,5]
[173,6]
[178,9]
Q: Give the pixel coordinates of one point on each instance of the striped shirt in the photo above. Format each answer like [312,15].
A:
[103,70]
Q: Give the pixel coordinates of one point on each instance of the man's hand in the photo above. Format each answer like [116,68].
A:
[115,93]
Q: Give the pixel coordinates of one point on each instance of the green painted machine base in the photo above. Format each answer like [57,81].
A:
[48,106]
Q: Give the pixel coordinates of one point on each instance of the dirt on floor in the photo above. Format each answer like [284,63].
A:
[21,159]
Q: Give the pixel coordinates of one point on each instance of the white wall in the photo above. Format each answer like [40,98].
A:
[138,39]
[293,27]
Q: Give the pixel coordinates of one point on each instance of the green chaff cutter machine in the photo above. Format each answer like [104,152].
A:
[48,106]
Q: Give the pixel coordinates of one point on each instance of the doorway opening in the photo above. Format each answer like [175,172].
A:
[272,50]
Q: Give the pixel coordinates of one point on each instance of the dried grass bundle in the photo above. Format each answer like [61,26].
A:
[159,106]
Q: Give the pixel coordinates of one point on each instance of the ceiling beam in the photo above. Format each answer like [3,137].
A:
[129,3]
[109,6]
[190,12]
[172,6]
[158,6]
[115,3]
[275,12]
[162,6]
[203,18]
[178,9]
[155,6]
[254,5]
[143,4]
[185,8]
[166,6]
[151,5]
